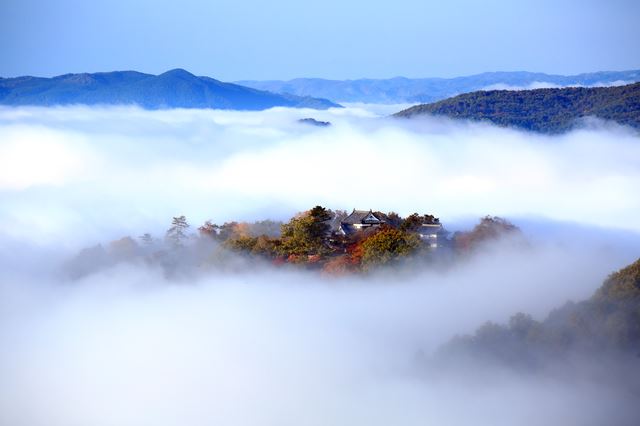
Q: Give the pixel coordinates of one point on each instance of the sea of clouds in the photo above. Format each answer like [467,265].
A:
[128,346]
[70,172]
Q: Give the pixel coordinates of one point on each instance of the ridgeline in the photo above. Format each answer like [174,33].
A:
[172,89]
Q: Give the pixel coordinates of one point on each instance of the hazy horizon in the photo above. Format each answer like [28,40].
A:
[311,77]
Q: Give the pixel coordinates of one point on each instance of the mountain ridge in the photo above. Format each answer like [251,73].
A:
[422,90]
[176,88]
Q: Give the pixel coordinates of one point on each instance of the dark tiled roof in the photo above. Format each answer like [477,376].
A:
[335,222]
[346,228]
[357,216]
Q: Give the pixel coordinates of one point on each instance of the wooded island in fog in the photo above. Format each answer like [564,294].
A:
[334,242]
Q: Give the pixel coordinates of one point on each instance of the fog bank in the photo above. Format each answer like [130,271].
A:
[125,345]
[139,168]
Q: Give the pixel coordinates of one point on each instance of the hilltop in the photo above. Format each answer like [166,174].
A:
[540,110]
[173,89]
[334,242]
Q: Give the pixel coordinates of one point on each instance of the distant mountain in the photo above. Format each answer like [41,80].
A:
[173,89]
[541,110]
[423,90]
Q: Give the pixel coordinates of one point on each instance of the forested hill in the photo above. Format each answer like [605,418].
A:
[540,110]
[609,321]
[172,89]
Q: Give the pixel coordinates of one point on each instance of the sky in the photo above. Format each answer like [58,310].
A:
[283,39]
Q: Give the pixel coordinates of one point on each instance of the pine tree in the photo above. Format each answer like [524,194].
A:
[177,234]
[146,239]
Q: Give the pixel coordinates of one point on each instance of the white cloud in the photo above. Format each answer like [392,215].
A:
[31,156]
[126,346]
[139,168]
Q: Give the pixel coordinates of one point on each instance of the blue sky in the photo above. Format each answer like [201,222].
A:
[282,39]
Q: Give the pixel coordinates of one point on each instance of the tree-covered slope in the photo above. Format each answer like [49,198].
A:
[172,89]
[608,322]
[541,110]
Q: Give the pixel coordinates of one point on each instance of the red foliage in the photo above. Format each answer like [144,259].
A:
[340,265]
[355,252]
[489,228]
[208,229]
[279,261]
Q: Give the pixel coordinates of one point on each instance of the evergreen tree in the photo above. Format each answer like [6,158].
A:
[177,234]
[146,239]
[306,233]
